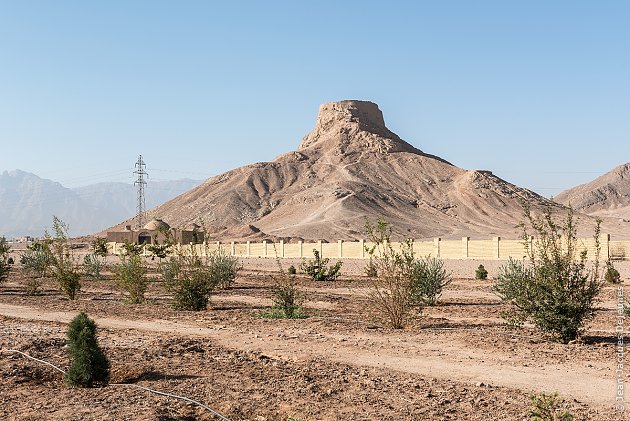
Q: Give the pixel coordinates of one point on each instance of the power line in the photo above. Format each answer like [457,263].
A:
[140,183]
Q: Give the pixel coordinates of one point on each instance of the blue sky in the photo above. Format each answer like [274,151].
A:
[538,91]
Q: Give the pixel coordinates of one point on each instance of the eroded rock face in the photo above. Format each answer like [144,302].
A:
[607,195]
[353,126]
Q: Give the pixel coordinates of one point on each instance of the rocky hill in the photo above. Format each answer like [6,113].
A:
[351,166]
[606,196]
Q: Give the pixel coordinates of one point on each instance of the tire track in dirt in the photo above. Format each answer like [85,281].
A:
[443,359]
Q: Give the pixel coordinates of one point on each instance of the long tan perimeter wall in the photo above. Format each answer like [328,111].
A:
[496,248]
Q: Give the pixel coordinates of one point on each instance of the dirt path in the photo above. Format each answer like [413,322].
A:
[440,358]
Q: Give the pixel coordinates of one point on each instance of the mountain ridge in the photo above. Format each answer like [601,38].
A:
[349,167]
[29,203]
[606,196]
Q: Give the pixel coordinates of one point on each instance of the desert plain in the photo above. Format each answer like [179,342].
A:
[456,361]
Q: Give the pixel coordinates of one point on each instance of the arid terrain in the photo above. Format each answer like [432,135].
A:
[456,362]
[351,166]
[606,196]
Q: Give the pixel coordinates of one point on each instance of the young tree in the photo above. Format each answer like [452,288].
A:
[223,267]
[37,258]
[401,284]
[428,279]
[161,251]
[5,266]
[392,296]
[64,268]
[131,276]
[556,289]
[35,262]
[548,407]
[190,280]
[99,247]
[88,363]
[481,273]
[94,262]
[193,278]
[131,248]
[318,270]
[611,275]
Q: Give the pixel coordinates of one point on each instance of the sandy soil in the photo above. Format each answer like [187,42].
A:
[456,362]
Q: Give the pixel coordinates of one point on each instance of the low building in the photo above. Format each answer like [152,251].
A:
[157,232]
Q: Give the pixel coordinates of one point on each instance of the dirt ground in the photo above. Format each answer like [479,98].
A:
[457,362]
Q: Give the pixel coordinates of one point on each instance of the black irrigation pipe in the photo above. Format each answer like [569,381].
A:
[157,392]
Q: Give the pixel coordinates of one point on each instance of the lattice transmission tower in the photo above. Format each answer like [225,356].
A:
[140,183]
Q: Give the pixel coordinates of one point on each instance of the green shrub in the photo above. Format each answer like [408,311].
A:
[37,258]
[94,263]
[131,276]
[35,261]
[63,267]
[88,363]
[428,277]
[33,286]
[481,273]
[548,407]
[291,270]
[5,263]
[92,266]
[130,249]
[161,251]
[317,269]
[370,269]
[69,281]
[612,275]
[555,290]
[393,297]
[223,268]
[287,298]
[190,279]
[99,247]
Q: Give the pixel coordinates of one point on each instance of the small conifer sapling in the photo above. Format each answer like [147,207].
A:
[88,364]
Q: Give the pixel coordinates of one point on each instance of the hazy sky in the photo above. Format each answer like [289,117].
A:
[537,91]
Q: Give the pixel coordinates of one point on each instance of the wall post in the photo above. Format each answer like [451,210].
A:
[264,242]
[301,248]
[496,245]
[465,246]
[362,244]
[248,250]
[232,249]
[436,246]
[340,248]
[281,248]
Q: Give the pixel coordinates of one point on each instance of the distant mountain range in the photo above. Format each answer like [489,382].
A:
[28,203]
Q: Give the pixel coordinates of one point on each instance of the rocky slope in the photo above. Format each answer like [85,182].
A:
[606,196]
[351,166]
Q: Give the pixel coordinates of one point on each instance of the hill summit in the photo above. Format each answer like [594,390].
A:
[350,125]
[349,167]
[606,196]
